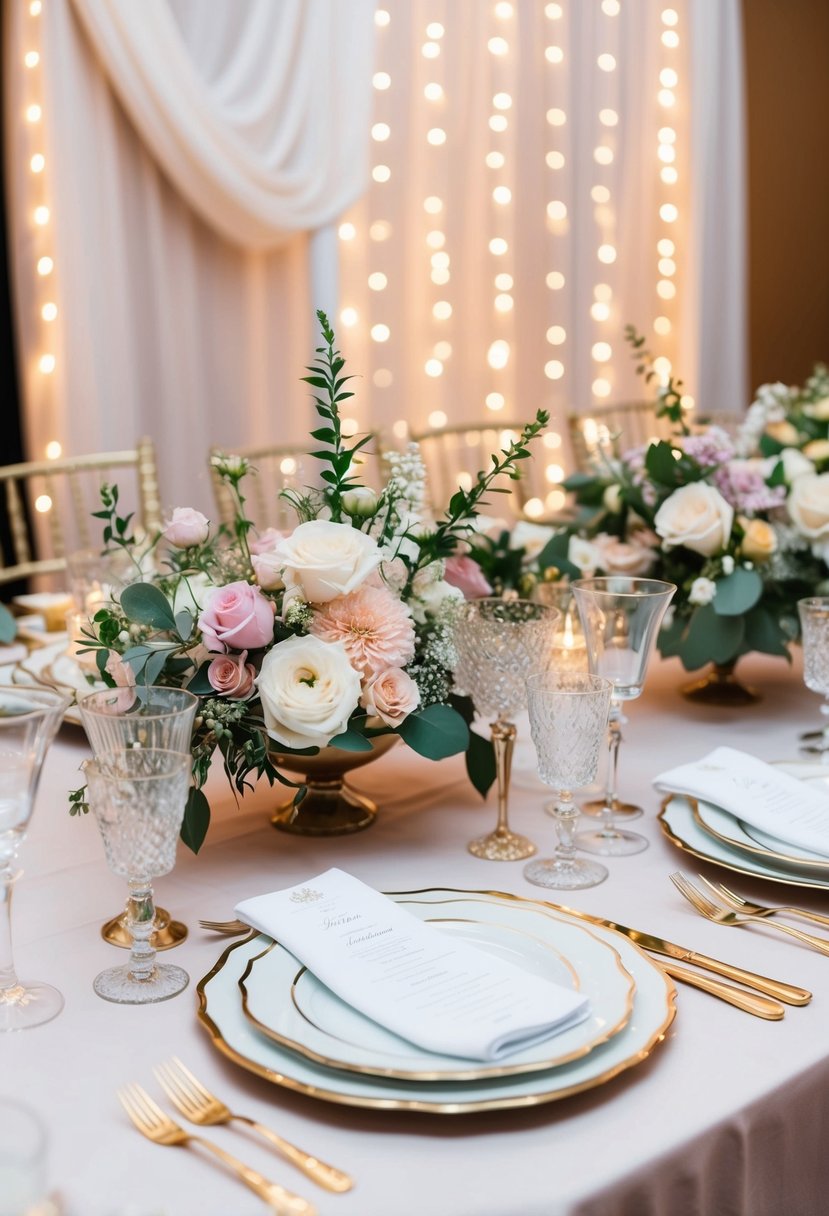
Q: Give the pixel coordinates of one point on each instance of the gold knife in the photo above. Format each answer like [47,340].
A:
[750,1002]
[788,993]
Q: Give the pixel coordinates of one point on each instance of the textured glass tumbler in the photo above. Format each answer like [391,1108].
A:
[138,800]
[568,722]
[814,628]
[499,643]
[29,719]
[621,617]
[118,719]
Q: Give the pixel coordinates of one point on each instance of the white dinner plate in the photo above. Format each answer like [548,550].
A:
[289,1004]
[679,823]
[234,1035]
[765,848]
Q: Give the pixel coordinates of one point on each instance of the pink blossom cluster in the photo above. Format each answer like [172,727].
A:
[712,448]
[744,487]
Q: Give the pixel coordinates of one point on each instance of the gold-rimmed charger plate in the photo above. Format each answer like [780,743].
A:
[288,1004]
[220,1012]
[738,835]
[676,819]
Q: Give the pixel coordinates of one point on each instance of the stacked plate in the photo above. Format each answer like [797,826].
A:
[52,667]
[269,1014]
[715,835]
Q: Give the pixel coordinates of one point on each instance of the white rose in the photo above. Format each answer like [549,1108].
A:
[308,691]
[325,559]
[702,591]
[267,570]
[612,499]
[795,464]
[808,505]
[697,517]
[818,409]
[432,599]
[530,537]
[584,555]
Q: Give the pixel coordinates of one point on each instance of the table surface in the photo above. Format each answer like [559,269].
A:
[724,1117]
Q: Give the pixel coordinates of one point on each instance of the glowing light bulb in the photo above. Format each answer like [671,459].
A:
[669,16]
[502,195]
[31,59]
[665,246]
[501,101]
[433,91]
[552,439]
[611,8]
[288,466]
[606,254]
[381,80]
[43,503]
[440,261]
[666,289]
[603,292]
[433,367]
[608,118]
[346,232]
[603,155]
[440,277]
[555,160]
[553,369]
[380,230]
[53,450]
[46,363]
[498,246]
[433,204]
[435,239]
[400,428]
[667,267]
[666,153]
[33,113]
[553,11]
[601,352]
[430,50]
[442,310]
[555,280]
[349,317]
[670,39]
[554,473]
[600,194]
[38,162]
[497,46]
[49,311]
[503,282]
[498,354]
[380,333]
[380,132]
[503,10]
[668,78]
[600,387]
[377,281]
[434,30]
[666,98]
[436,136]
[41,216]
[35,8]
[45,266]
[669,175]
[503,302]
[437,419]
[662,325]
[666,135]
[381,17]
[556,117]
[600,312]
[381,173]
[498,123]
[534,508]
[556,335]
[668,212]
[494,160]
[606,62]
[443,350]
[554,54]
[495,401]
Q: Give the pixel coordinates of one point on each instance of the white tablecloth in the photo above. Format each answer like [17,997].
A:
[728,1116]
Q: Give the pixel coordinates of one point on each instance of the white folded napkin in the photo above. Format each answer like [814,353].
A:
[426,986]
[761,795]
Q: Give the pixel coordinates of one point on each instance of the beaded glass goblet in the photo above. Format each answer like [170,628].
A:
[499,643]
[814,627]
[138,800]
[29,720]
[120,719]
[621,616]
[568,721]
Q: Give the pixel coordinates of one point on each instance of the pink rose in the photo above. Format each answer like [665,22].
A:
[620,557]
[237,615]
[465,574]
[186,527]
[231,676]
[392,696]
[124,678]
[266,541]
[267,570]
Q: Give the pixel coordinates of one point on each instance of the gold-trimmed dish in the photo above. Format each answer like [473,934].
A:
[676,819]
[220,1012]
[738,835]
[288,1004]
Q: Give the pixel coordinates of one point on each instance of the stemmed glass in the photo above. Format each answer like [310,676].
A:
[499,643]
[621,617]
[568,721]
[814,626]
[120,719]
[138,800]
[29,720]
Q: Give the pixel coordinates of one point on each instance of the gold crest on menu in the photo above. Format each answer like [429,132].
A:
[305,895]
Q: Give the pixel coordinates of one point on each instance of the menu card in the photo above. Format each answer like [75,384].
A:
[758,793]
[428,987]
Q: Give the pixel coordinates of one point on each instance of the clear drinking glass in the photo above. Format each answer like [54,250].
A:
[568,721]
[621,617]
[22,1159]
[138,799]
[29,719]
[119,719]
[814,627]
[499,643]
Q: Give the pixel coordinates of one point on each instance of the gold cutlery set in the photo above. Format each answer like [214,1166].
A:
[199,1106]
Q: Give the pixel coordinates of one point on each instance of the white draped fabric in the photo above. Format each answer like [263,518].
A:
[184,143]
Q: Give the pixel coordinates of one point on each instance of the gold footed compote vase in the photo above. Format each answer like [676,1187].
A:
[29,720]
[499,643]
[331,807]
[122,719]
[621,618]
[720,686]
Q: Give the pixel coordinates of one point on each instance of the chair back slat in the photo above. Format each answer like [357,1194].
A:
[611,429]
[21,552]
[454,456]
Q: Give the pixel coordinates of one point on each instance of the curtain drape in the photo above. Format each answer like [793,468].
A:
[175,317]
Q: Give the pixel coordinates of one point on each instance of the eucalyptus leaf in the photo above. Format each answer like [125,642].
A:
[711,638]
[351,741]
[146,604]
[436,732]
[196,819]
[737,592]
[8,626]
[480,762]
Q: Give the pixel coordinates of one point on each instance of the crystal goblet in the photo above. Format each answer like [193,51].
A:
[138,800]
[814,627]
[119,719]
[621,617]
[29,719]
[568,722]
[499,643]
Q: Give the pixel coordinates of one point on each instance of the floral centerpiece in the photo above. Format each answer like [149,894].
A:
[740,522]
[331,635]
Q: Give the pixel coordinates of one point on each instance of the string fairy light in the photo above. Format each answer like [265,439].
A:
[668,212]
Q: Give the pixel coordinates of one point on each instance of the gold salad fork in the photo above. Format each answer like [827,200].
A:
[200,1106]
[230,928]
[722,916]
[148,1117]
[742,905]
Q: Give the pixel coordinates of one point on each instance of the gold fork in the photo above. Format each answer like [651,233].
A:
[157,1126]
[742,905]
[722,916]
[200,1106]
[229,927]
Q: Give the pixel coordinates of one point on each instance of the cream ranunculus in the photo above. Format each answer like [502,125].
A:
[818,409]
[795,464]
[817,450]
[325,559]
[759,541]
[308,691]
[808,505]
[697,517]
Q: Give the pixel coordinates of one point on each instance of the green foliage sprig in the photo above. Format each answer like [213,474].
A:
[670,395]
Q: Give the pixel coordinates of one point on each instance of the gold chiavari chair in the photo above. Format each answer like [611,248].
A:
[453,455]
[275,468]
[46,506]
[610,428]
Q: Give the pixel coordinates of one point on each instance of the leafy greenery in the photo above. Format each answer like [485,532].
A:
[670,394]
